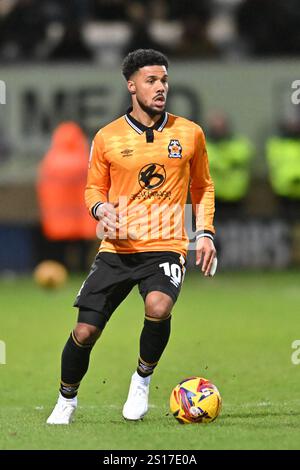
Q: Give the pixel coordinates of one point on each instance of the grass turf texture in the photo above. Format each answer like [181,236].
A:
[235,329]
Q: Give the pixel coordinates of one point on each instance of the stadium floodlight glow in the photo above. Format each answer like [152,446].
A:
[2,352]
[2,92]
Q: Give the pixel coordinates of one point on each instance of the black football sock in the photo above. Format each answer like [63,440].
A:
[74,364]
[153,340]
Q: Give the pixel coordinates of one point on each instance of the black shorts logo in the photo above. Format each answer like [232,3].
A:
[152,176]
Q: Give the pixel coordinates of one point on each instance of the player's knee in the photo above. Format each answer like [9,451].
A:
[158,305]
[86,334]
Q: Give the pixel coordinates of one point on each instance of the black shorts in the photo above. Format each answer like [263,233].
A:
[113,275]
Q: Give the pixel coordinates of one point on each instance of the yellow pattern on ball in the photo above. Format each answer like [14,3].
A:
[195,400]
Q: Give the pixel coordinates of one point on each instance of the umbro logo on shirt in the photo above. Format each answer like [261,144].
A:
[127,152]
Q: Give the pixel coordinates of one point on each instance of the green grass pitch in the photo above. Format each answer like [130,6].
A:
[235,329]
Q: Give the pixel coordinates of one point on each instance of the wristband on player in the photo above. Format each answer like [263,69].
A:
[204,233]
[94,210]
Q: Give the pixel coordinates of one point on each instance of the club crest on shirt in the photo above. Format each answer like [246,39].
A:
[174,149]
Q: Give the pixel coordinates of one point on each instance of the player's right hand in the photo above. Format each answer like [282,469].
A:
[109,218]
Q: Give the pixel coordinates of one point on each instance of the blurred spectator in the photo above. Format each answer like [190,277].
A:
[61,183]
[110,10]
[283,157]
[229,158]
[195,41]
[72,46]
[195,16]
[270,27]
[82,9]
[22,30]
[54,11]
[159,10]
[141,37]
[179,9]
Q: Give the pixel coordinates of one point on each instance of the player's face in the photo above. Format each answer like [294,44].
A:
[149,85]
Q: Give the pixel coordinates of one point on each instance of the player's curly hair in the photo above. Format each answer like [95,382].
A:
[140,58]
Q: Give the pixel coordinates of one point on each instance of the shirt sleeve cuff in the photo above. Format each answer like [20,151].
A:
[94,209]
[204,233]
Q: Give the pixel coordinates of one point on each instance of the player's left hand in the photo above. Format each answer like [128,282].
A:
[205,252]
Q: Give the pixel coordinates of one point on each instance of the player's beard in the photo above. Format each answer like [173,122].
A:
[149,110]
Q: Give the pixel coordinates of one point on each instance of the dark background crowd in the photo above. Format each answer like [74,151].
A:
[38,30]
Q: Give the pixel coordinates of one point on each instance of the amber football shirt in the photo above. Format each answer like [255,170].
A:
[148,172]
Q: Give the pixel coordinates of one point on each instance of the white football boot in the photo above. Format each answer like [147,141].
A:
[63,411]
[136,405]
